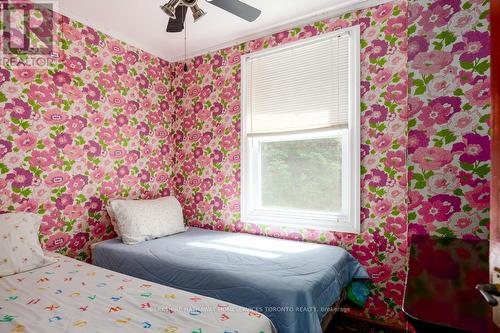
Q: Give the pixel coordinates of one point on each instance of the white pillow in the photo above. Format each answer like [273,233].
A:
[113,220]
[142,220]
[20,249]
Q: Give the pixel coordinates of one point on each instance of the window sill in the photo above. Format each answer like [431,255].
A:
[302,222]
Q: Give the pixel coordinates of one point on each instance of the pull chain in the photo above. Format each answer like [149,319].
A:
[185,44]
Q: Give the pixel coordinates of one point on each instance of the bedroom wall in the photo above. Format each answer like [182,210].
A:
[93,128]
[446,114]
[207,169]
[68,147]
[449,118]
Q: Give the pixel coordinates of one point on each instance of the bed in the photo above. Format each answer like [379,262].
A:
[71,296]
[293,283]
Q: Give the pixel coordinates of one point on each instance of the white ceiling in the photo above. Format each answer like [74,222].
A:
[141,23]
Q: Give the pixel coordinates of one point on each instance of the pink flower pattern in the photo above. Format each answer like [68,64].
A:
[113,121]
[73,132]
[207,128]
[449,131]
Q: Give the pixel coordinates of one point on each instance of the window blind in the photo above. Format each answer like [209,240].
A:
[304,87]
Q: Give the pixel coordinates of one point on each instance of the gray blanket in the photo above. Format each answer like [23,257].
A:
[292,283]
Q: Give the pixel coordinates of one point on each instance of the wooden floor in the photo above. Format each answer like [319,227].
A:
[341,324]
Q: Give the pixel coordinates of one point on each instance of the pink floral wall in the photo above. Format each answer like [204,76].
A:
[207,139]
[449,130]
[113,121]
[436,52]
[94,126]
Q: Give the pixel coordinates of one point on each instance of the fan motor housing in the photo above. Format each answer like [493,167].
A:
[189,3]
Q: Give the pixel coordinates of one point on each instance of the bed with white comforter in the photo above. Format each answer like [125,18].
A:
[71,296]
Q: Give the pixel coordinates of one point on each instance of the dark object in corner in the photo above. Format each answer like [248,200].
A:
[343,323]
[440,294]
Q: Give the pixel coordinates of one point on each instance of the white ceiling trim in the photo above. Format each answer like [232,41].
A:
[334,11]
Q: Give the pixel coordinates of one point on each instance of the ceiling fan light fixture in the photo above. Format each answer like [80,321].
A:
[169,8]
[198,13]
[176,10]
[189,3]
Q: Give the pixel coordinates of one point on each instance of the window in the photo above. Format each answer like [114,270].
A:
[300,134]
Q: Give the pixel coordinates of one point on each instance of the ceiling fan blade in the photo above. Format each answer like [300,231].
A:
[177,24]
[237,8]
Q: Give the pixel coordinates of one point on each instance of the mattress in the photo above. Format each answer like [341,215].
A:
[292,283]
[71,296]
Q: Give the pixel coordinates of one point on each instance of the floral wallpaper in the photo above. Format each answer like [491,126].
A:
[449,106]
[425,93]
[93,126]
[109,120]
[207,139]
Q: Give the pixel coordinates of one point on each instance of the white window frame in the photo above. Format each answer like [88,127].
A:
[348,220]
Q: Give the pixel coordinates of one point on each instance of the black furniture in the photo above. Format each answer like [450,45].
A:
[440,294]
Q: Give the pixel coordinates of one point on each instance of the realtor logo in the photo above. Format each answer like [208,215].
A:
[29,31]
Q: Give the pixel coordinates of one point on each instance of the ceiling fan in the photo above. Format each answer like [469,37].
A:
[177,9]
